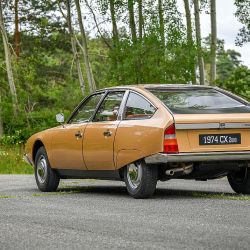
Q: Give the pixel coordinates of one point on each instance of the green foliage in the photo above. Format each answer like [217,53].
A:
[227,62]
[243,15]
[45,87]
[11,161]
[45,73]
[238,82]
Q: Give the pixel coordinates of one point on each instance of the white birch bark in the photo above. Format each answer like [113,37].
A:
[84,47]
[198,41]
[9,68]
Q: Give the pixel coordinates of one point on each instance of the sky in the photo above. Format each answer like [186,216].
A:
[227,27]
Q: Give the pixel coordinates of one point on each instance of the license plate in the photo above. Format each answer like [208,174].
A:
[220,139]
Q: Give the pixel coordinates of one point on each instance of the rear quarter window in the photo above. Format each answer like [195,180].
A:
[137,107]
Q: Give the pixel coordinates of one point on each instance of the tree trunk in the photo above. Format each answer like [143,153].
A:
[114,24]
[1,121]
[137,60]
[141,21]
[105,40]
[91,81]
[74,48]
[213,41]
[198,41]
[190,38]
[132,20]
[1,126]
[8,63]
[17,36]
[161,22]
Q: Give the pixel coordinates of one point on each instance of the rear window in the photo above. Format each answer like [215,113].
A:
[198,101]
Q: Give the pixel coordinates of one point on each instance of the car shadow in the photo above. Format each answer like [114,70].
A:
[160,193]
[103,190]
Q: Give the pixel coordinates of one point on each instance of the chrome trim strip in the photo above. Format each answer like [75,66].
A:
[197,126]
[229,125]
[237,125]
[195,157]
[26,158]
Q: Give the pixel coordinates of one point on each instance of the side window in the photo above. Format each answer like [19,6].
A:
[86,111]
[108,111]
[138,107]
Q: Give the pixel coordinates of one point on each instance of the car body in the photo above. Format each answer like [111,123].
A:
[172,131]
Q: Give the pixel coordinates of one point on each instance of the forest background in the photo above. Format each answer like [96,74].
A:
[53,53]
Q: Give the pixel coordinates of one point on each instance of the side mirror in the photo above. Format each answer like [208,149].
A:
[115,112]
[60,118]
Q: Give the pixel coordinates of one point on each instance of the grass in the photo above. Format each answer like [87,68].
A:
[6,196]
[56,193]
[11,161]
[221,196]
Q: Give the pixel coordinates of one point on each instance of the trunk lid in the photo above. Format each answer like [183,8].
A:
[212,132]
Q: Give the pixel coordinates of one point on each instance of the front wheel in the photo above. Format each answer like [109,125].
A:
[46,178]
[140,179]
[240,180]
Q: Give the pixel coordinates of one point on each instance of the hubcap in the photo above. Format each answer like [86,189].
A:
[134,175]
[41,169]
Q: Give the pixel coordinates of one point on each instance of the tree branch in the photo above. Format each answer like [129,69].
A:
[97,26]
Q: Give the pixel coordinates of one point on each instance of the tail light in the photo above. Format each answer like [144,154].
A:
[170,143]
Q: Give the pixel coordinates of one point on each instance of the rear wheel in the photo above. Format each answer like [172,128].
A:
[46,178]
[240,180]
[140,179]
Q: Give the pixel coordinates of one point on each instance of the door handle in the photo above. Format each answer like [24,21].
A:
[78,134]
[107,133]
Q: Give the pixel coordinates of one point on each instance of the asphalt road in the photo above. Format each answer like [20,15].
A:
[90,214]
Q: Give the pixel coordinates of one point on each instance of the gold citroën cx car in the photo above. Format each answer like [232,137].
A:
[145,133]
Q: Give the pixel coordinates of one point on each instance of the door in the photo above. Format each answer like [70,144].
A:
[67,140]
[99,135]
[67,147]
[140,132]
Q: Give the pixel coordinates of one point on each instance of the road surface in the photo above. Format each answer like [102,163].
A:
[91,214]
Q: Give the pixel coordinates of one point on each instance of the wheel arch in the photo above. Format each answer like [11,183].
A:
[38,144]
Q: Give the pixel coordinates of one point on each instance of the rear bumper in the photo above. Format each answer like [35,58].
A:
[26,158]
[198,157]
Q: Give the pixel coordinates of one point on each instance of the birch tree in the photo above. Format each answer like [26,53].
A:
[74,48]
[132,20]
[213,41]
[161,22]
[1,120]
[9,68]
[141,21]
[1,126]
[84,48]
[17,35]
[198,41]
[190,36]
[115,35]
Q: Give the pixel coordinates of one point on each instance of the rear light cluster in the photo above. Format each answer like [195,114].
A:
[170,142]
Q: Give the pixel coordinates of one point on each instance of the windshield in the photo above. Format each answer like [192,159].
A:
[197,101]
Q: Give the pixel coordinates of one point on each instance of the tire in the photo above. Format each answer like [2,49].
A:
[140,179]
[46,178]
[240,181]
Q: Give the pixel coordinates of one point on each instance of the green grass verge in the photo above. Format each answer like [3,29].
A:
[11,161]
[221,196]
[6,196]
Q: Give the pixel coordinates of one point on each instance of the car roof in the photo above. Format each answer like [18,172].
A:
[159,86]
